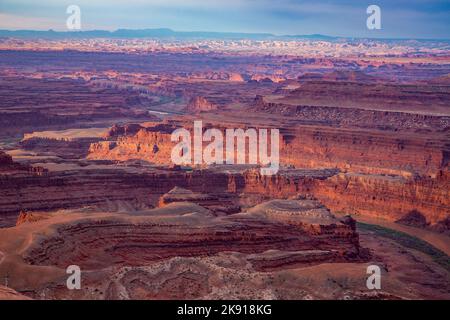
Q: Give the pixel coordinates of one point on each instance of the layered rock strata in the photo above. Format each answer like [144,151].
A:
[189,230]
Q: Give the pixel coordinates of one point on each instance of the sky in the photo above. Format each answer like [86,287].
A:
[399,18]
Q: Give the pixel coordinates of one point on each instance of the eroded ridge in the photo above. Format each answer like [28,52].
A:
[186,229]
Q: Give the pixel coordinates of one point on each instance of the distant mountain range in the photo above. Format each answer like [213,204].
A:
[162,33]
[169,34]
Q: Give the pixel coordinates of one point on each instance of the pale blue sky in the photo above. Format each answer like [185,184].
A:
[400,18]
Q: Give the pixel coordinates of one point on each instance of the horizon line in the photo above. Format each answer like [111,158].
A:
[235,33]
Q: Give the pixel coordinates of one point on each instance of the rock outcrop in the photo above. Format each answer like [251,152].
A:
[199,104]
[8,166]
[29,217]
[219,203]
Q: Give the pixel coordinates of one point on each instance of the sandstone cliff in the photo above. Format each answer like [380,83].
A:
[382,175]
